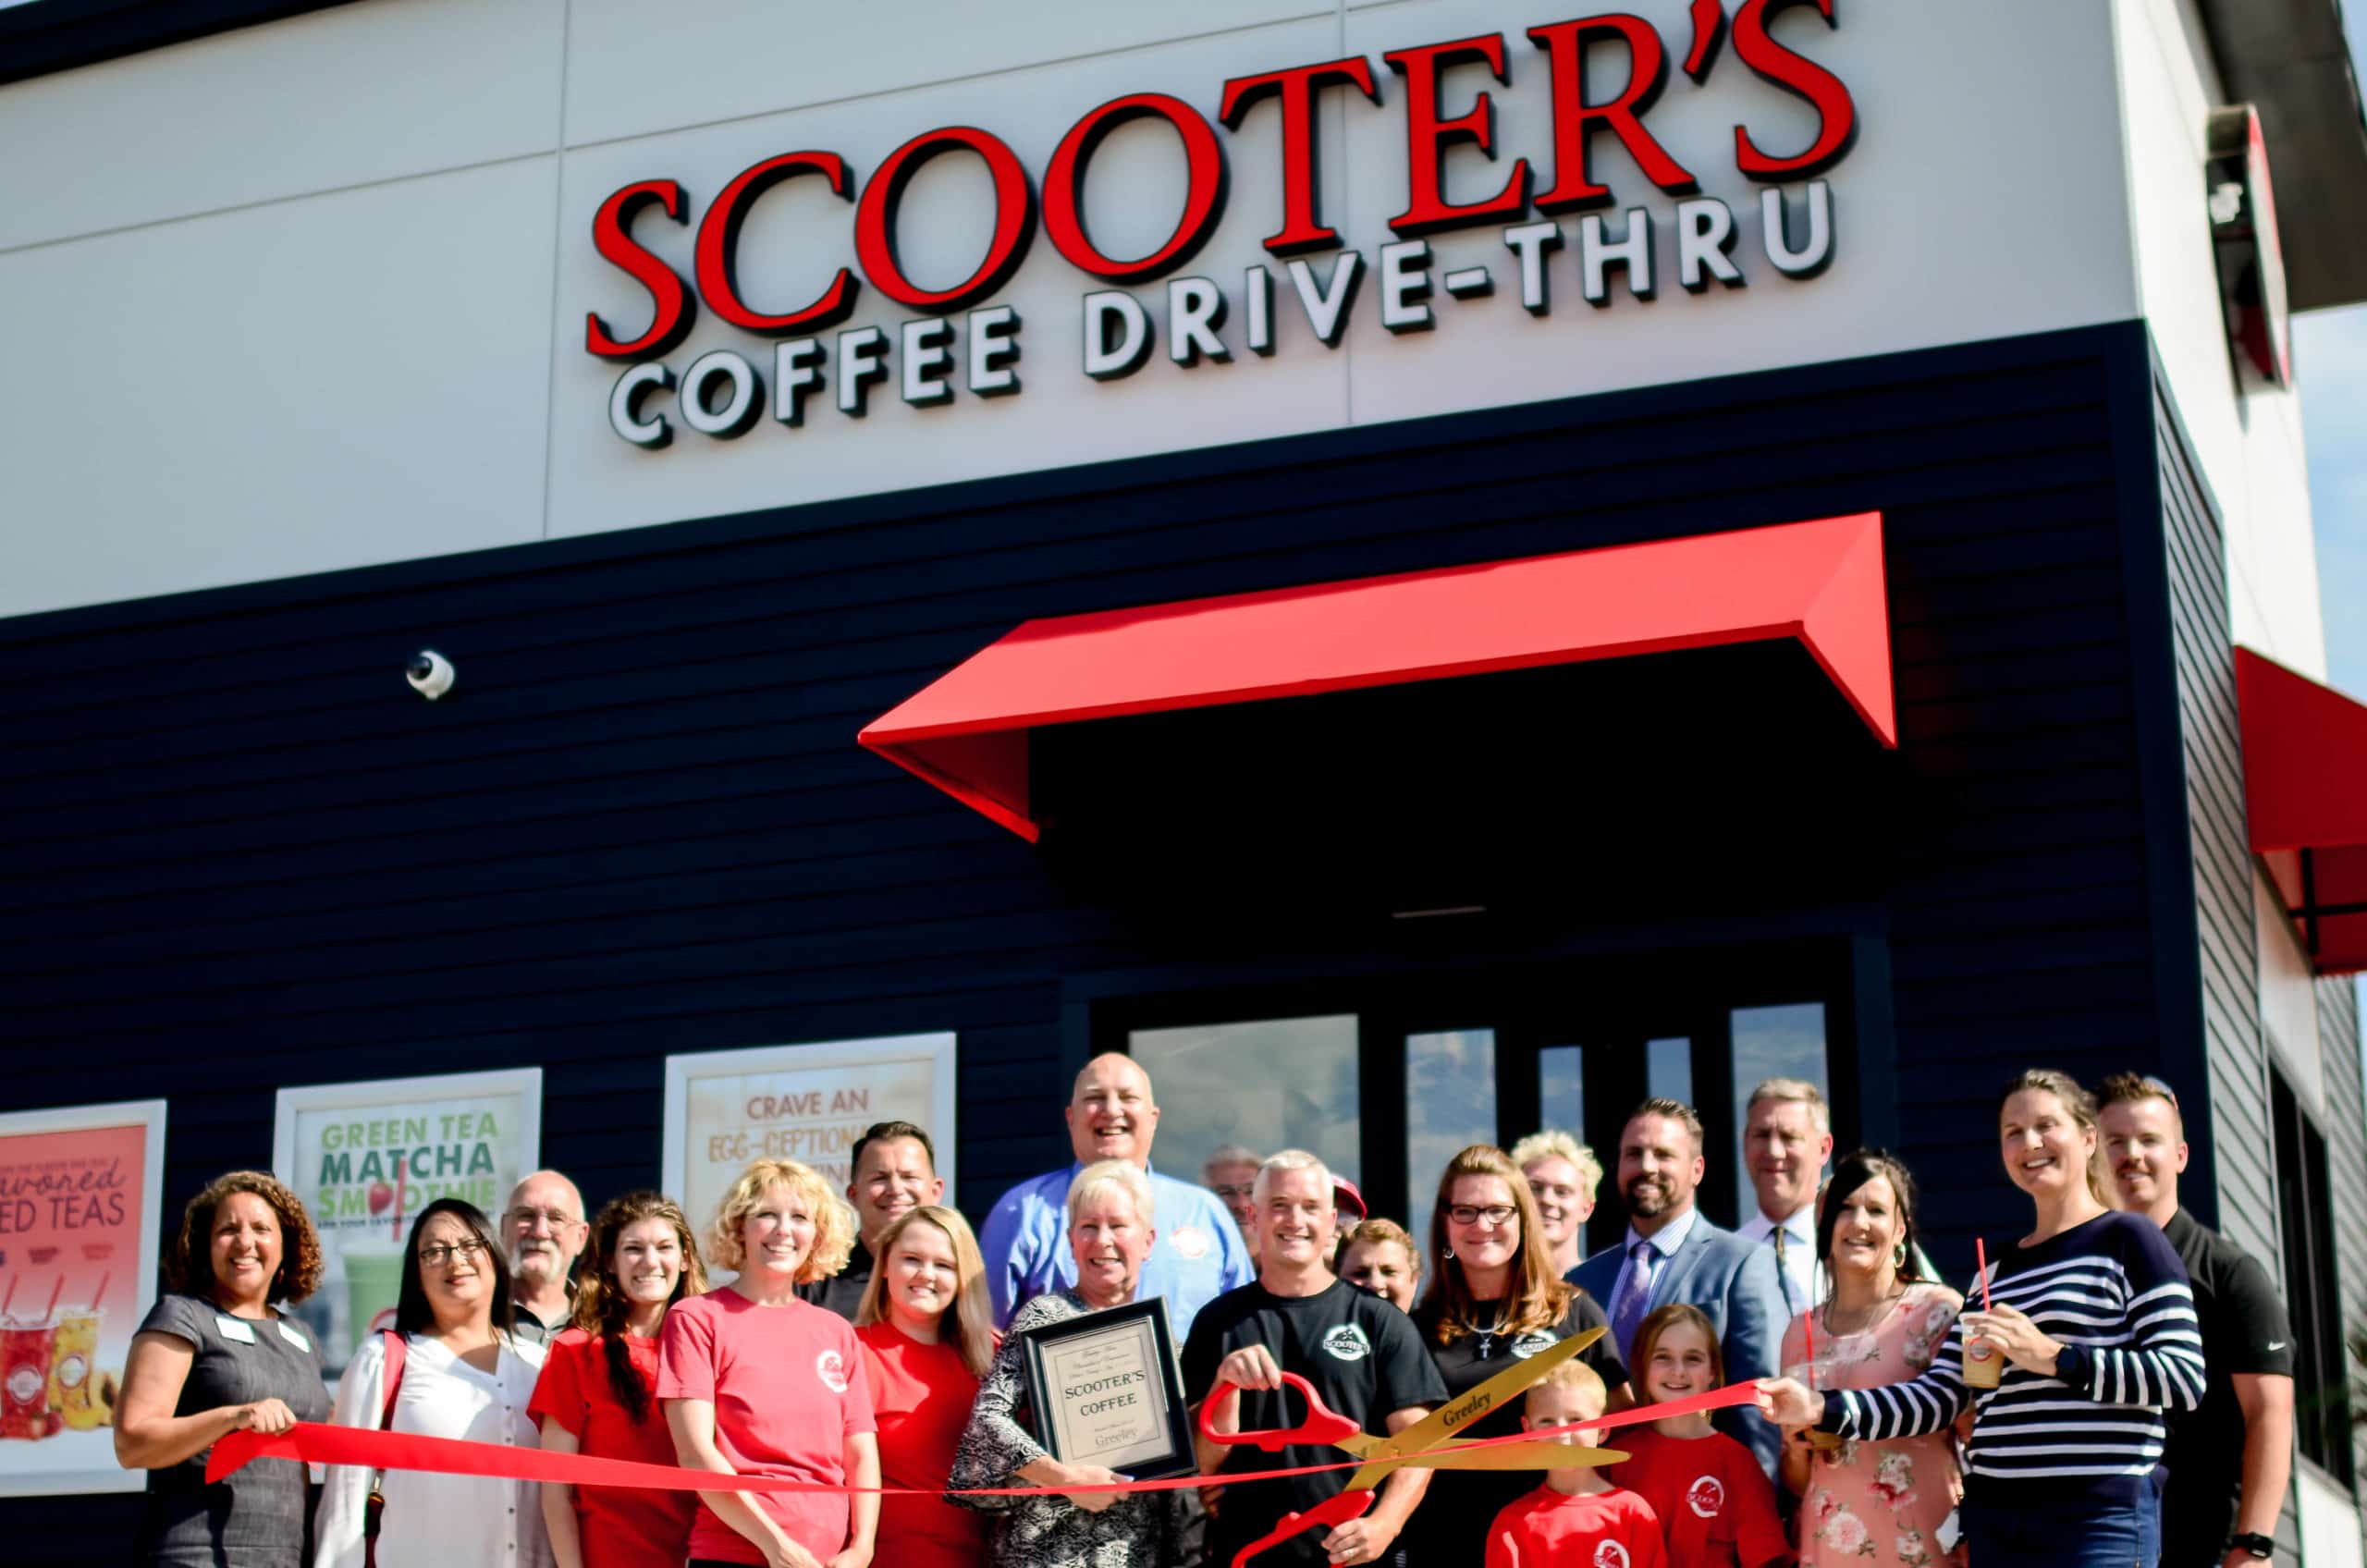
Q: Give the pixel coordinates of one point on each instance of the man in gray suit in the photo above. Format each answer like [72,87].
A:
[1672,1254]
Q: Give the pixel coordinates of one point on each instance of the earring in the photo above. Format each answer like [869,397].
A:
[1899,1256]
[1449,1255]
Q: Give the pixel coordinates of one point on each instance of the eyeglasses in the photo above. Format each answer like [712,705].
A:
[1472,1214]
[525,1217]
[1246,1190]
[437,1254]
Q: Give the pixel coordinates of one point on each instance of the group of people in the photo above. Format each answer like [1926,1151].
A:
[870,1347]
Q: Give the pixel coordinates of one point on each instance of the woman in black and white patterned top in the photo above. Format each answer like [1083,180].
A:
[2094,1318]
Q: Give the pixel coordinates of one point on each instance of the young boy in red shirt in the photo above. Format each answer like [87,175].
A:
[1577,1519]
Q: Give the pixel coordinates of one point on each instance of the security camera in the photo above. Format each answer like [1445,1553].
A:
[430,673]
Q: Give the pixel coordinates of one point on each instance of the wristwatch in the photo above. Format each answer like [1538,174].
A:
[2260,1547]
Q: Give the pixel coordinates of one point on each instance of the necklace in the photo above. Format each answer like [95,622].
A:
[1487,1332]
[1866,1316]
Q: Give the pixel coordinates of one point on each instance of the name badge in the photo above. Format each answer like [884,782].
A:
[289,1331]
[236,1328]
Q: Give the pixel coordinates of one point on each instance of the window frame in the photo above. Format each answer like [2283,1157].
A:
[2322,1398]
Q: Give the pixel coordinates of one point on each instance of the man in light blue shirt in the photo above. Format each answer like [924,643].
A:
[1197,1254]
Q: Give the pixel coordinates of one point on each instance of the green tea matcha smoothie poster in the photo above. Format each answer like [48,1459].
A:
[366,1157]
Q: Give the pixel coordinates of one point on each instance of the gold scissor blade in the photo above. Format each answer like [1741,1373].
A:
[1543,1454]
[1432,1430]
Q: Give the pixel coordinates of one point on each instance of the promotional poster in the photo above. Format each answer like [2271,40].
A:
[808,1103]
[366,1157]
[79,1190]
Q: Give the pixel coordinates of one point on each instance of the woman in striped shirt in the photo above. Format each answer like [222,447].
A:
[2092,1315]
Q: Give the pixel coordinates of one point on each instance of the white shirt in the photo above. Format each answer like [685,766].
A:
[1803,1273]
[437,1521]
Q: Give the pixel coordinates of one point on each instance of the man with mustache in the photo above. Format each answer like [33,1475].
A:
[1198,1254]
[546,1229]
[1673,1253]
[893,1171]
[2229,1461]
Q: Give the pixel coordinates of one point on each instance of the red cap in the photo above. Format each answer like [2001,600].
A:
[1344,1194]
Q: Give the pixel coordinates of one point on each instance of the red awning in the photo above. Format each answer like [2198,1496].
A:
[2305,803]
[1820,582]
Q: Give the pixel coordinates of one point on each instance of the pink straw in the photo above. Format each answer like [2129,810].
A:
[101,1294]
[1980,1255]
[58,1290]
[4,1300]
[1807,1325]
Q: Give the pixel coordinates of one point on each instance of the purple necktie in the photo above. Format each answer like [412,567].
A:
[1628,1312]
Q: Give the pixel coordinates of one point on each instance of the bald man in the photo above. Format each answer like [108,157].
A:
[546,1228]
[1198,1255]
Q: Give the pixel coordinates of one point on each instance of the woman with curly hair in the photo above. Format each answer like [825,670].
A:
[754,1381]
[598,1391]
[216,1356]
[1495,1298]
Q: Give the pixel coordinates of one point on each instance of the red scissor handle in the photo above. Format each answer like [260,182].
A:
[1323,1425]
[1330,1511]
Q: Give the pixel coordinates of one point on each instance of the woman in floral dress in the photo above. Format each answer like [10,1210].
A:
[1871,1504]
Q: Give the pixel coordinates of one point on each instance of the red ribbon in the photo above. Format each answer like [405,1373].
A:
[321,1443]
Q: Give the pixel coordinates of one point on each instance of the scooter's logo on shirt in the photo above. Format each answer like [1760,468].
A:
[1348,1342]
[1532,1343]
[1705,1496]
[1609,1554]
[831,1368]
[1191,1241]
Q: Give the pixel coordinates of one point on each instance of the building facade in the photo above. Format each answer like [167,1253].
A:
[1725,531]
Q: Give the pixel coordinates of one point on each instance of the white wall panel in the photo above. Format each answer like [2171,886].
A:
[797,236]
[634,68]
[345,96]
[1981,200]
[288,388]
[2249,446]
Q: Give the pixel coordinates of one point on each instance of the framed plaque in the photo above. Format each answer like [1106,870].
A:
[1106,1390]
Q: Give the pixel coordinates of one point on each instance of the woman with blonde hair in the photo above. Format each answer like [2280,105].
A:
[599,1390]
[2094,1321]
[1081,1525]
[1494,1297]
[928,1330]
[754,1381]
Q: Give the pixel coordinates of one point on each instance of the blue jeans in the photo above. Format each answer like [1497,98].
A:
[2027,1527]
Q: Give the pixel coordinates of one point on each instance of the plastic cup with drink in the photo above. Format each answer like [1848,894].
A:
[1983,1364]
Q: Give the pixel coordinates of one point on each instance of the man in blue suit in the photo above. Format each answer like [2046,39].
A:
[1672,1254]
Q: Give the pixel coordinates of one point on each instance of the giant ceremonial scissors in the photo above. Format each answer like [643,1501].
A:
[1427,1444]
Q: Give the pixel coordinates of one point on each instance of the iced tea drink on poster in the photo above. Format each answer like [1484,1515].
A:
[26,1350]
[73,1368]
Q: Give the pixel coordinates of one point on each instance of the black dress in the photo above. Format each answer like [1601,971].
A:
[1450,1528]
[257,1518]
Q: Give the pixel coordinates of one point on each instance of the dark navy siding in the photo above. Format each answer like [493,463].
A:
[235,852]
[2238,1178]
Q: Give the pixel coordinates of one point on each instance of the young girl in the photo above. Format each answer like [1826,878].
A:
[1715,1504]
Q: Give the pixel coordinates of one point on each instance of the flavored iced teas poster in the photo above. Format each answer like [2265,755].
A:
[80,1192]
[808,1103]
[366,1157]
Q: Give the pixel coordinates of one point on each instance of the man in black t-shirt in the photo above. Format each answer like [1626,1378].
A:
[2227,1462]
[1360,1353]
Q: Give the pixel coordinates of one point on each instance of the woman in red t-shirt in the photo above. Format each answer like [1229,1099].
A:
[599,1390]
[754,1381]
[928,1334]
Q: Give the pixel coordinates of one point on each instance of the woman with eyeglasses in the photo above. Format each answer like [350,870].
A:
[1495,1300]
[462,1375]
